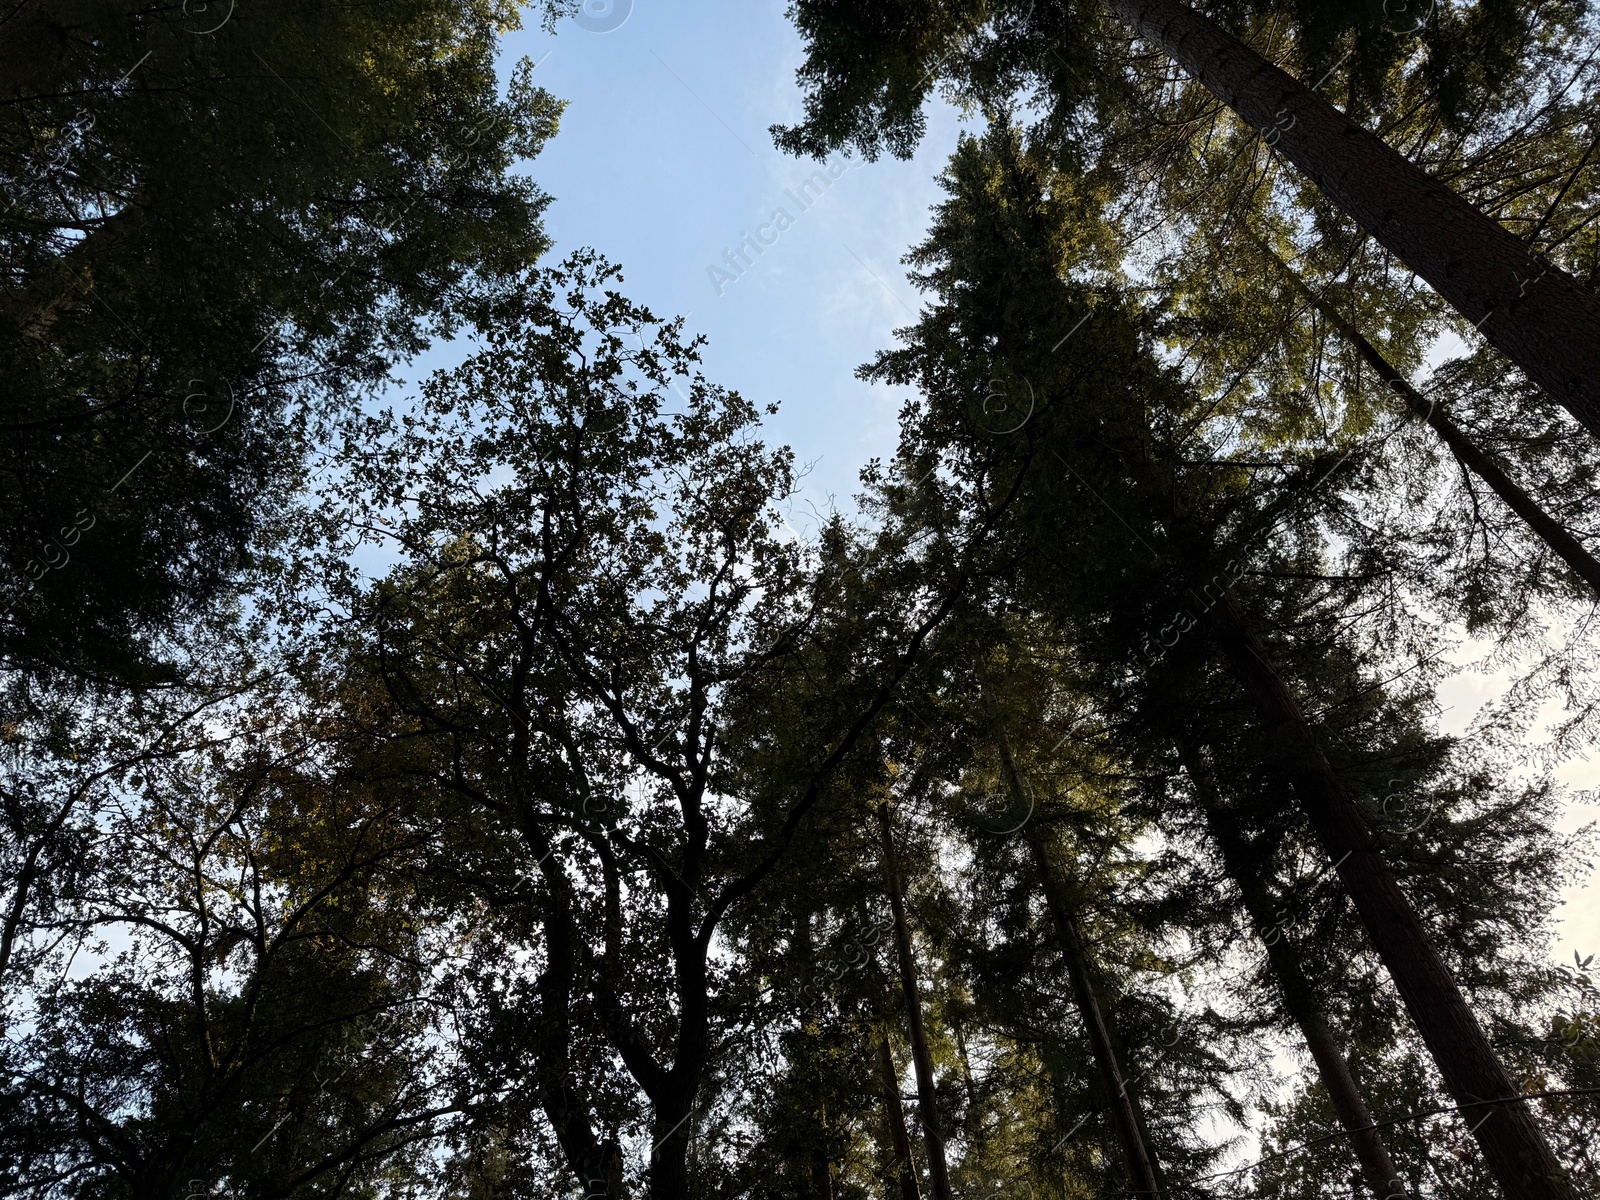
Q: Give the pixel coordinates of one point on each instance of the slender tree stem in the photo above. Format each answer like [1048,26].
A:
[1511,1141]
[1124,1115]
[938,1172]
[1299,997]
[1545,527]
[895,1116]
[1533,312]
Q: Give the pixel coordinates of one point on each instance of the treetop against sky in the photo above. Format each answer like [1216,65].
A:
[799,600]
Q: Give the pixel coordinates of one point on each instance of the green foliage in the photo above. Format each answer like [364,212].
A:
[506,821]
[220,223]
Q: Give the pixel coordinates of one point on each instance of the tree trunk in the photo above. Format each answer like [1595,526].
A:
[816,1172]
[672,1090]
[938,1173]
[597,1164]
[895,1116]
[1534,313]
[26,877]
[1510,1139]
[669,1148]
[821,1170]
[1299,998]
[1545,527]
[1136,1155]
[967,1083]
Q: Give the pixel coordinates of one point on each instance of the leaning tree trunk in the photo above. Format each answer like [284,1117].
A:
[905,1171]
[1545,527]
[1509,1137]
[27,876]
[1534,313]
[1124,1116]
[938,1172]
[1299,998]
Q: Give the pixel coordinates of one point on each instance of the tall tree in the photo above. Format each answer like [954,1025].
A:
[1299,996]
[1125,1116]
[220,224]
[868,75]
[906,961]
[1114,442]
[592,600]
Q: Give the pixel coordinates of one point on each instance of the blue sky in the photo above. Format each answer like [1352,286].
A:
[664,163]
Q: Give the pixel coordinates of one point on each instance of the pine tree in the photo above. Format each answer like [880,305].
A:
[1111,439]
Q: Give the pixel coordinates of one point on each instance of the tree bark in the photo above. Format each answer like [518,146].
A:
[816,1173]
[669,1148]
[598,1165]
[1534,313]
[1543,526]
[1512,1144]
[1136,1154]
[895,1117]
[1299,997]
[673,1089]
[938,1172]
[26,877]
[821,1169]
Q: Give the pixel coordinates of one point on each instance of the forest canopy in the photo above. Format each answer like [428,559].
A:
[467,784]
